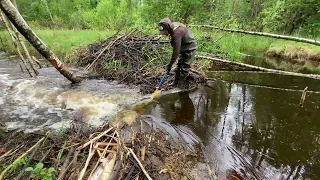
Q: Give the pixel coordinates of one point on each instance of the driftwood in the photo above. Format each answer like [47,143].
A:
[16,19]
[292,38]
[303,97]
[314,76]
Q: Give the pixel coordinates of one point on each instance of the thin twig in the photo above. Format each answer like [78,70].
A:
[23,155]
[28,162]
[141,166]
[65,165]
[96,138]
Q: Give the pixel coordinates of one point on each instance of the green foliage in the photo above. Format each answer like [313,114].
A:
[39,172]
[20,162]
[61,42]
[278,16]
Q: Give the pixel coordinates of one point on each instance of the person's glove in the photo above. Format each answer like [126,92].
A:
[169,67]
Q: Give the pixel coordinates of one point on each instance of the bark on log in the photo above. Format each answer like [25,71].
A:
[14,40]
[21,43]
[15,17]
[314,76]
[26,52]
[292,38]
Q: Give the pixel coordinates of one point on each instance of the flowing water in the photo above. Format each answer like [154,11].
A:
[50,101]
[248,122]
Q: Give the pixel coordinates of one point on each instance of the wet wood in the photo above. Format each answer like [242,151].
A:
[303,97]
[16,19]
[292,38]
[14,40]
[314,76]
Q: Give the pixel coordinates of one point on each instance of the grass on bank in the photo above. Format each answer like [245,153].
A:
[62,42]
[233,44]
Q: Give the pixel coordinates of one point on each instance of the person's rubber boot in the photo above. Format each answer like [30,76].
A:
[181,82]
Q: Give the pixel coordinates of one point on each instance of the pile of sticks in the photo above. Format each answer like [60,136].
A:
[103,154]
[134,59]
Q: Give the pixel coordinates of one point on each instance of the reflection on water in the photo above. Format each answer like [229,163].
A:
[260,132]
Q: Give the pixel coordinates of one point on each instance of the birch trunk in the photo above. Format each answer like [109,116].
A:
[292,38]
[21,42]
[14,40]
[314,76]
[15,17]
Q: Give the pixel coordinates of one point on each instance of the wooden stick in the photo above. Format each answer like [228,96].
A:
[303,97]
[65,165]
[108,151]
[91,153]
[138,161]
[143,153]
[28,162]
[94,139]
[101,156]
[10,152]
[23,155]
[314,76]
[106,144]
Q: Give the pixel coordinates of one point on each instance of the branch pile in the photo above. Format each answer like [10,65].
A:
[103,154]
[134,59]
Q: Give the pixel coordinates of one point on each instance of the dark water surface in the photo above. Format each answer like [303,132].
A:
[252,122]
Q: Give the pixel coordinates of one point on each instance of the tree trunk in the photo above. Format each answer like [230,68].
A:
[314,76]
[14,40]
[292,38]
[17,20]
[21,42]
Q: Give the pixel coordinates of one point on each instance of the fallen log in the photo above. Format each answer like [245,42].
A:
[314,76]
[17,20]
[278,36]
[15,42]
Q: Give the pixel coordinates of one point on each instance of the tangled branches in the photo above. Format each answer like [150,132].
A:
[132,58]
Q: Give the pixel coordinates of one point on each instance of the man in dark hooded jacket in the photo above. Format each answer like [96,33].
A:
[183,44]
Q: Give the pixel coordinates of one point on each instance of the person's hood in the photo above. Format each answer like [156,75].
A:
[165,24]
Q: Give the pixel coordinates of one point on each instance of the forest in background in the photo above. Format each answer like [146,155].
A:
[298,17]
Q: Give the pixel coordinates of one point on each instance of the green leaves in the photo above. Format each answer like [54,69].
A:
[40,172]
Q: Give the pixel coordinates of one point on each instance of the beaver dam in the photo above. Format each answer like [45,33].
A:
[138,151]
[134,59]
[145,148]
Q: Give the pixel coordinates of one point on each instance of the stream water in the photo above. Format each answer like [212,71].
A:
[250,122]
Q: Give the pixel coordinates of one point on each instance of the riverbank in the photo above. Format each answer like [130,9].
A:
[233,44]
[62,42]
[229,45]
[283,55]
